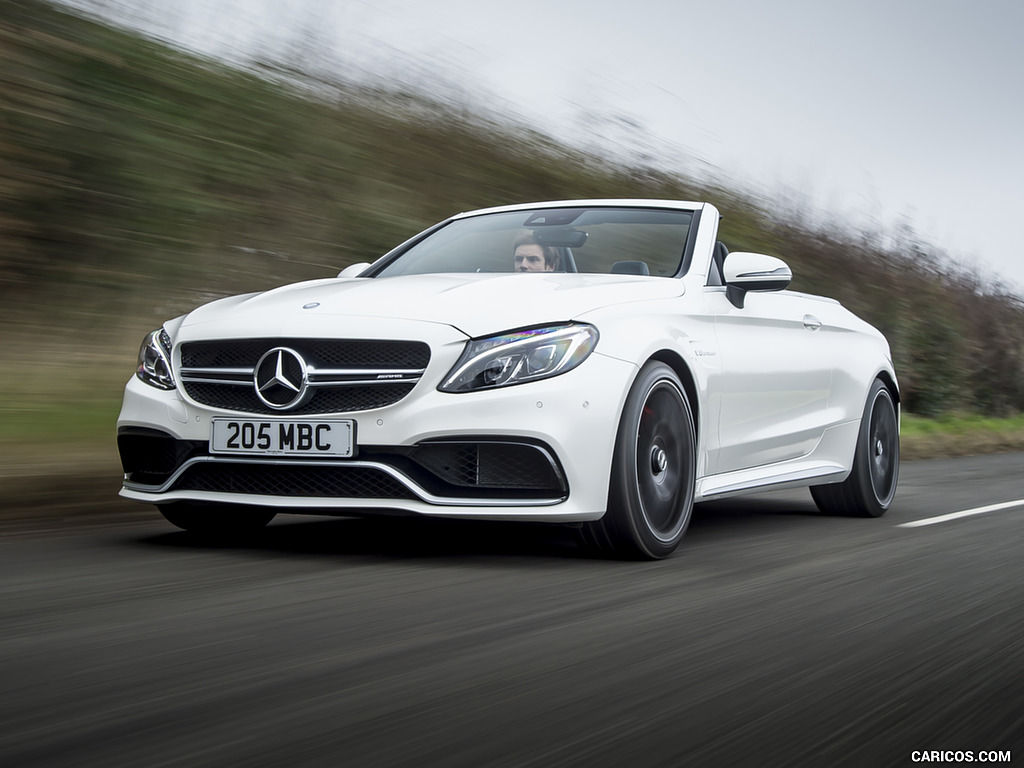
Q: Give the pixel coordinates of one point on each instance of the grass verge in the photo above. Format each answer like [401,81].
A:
[959,435]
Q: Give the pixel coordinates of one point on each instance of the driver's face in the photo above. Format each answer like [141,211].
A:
[530,258]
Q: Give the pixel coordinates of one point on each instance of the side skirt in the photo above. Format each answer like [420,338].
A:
[772,478]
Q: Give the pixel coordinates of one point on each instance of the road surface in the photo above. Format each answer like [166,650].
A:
[774,636]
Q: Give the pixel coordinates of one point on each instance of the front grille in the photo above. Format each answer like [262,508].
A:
[325,353]
[467,468]
[344,374]
[324,400]
[299,480]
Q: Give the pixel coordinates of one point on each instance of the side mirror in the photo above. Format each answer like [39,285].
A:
[754,272]
[354,270]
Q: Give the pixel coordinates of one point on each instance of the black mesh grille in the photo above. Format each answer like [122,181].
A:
[321,353]
[318,353]
[490,465]
[447,469]
[150,456]
[278,480]
[367,354]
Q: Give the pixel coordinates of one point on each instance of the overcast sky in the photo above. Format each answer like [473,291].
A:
[879,111]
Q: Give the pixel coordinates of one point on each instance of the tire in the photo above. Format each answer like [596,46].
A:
[216,520]
[650,499]
[871,486]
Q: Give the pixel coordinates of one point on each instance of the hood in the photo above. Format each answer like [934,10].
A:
[476,304]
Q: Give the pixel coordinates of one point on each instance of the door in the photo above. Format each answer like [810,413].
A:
[776,372]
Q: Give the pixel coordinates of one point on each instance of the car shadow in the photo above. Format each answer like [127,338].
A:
[756,520]
[749,510]
[389,538]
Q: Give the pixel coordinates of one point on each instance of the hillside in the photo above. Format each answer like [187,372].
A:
[137,180]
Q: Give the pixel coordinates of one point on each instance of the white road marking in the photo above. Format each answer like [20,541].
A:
[964,513]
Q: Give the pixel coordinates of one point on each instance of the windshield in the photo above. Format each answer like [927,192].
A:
[637,241]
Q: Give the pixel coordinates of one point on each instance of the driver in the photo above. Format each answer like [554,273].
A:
[531,256]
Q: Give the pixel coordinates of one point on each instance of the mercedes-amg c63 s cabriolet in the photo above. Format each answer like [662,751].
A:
[598,363]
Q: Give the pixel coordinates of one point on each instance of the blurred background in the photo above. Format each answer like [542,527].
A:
[155,157]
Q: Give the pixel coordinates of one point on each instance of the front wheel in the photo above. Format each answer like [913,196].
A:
[650,499]
[871,486]
[218,520]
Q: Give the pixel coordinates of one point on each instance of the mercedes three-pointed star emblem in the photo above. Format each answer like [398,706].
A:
[281,379]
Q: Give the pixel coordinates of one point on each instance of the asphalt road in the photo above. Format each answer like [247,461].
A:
[775,636]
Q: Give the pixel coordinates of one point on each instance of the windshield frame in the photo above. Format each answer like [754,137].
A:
[387,260]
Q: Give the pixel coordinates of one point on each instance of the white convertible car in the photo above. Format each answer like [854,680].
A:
[598,363]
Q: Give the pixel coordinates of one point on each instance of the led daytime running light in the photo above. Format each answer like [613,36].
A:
[520,357]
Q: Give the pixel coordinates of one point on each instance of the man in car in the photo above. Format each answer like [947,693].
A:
[531,256]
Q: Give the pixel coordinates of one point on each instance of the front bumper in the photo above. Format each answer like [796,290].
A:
[539,451]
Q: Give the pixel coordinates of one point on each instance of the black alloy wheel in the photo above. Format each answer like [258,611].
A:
[871,486]
[650,499]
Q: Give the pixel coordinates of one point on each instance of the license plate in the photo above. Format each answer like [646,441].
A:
[283,438]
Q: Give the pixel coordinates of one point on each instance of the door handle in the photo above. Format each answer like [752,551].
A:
[811,323]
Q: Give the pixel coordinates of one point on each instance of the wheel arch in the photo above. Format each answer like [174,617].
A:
[676,362]
[889,381]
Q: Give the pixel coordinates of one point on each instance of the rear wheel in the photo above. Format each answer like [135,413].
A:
[871,486]
[216,519]
[653,471]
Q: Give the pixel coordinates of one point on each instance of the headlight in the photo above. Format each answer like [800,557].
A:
[155,360]
[521,357]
